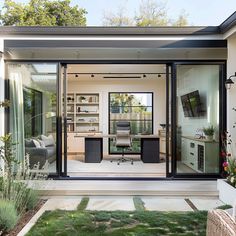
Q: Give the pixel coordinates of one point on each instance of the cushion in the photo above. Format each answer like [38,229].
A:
[42,144]
[48,140]
[36,143]
[51,151]
[29,143]
[123,133]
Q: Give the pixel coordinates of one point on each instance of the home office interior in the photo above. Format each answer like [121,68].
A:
[116,118]
[105,101]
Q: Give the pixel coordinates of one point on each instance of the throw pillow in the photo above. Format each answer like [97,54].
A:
[42,144]
[48,140]
[36,143]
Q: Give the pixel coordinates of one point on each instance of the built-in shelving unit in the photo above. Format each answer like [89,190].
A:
[83,112]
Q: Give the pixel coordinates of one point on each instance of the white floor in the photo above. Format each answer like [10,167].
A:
[76,167]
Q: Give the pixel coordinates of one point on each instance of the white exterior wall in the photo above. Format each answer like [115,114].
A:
[2,94]
[231,69]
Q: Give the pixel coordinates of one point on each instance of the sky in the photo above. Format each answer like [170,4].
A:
[200,12]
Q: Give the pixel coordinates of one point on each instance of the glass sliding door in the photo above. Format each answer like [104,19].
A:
[197,119]
[33,113]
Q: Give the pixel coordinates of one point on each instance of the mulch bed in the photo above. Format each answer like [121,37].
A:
[25,218]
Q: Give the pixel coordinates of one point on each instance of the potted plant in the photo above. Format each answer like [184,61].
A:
[227,187]
[209,132]
[82,99]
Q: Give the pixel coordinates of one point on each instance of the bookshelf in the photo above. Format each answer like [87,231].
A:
[83,112]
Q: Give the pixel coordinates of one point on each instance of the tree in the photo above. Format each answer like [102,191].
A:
[42,13]
[150,13]
[118,18]
[182,20]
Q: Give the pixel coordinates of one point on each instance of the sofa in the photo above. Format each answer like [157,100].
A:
[40,154]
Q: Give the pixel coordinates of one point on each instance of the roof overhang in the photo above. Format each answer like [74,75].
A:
[106,31]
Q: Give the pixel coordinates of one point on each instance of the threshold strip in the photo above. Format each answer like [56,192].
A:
[190,203]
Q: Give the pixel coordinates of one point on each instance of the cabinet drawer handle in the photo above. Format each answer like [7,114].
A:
[191,153]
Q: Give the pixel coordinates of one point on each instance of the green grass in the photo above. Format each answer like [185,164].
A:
[120,223]
[224,207]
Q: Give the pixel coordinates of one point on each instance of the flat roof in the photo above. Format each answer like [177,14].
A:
[120,31]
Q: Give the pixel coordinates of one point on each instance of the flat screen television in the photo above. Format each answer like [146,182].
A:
[192,105]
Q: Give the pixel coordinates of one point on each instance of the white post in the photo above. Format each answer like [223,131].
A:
[231,69]
[2,92]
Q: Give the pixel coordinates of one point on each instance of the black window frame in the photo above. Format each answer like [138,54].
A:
[109,119]
[38,116]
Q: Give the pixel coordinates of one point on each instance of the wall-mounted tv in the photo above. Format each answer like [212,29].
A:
[192,105]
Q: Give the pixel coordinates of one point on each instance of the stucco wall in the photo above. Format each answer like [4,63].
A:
[1,91]
[231,69]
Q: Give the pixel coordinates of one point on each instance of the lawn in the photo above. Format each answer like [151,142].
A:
[119,223]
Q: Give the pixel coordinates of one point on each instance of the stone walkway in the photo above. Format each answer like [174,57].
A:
[126,203]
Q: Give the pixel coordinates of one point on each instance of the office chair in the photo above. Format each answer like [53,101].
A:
[123,139]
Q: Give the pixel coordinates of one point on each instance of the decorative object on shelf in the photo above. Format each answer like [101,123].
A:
[229,82]
[82,99]
[163,126]
[209,132]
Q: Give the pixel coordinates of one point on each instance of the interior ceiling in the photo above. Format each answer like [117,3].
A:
[103,72]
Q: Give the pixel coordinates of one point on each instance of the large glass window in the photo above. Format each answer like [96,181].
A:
[137,108]
[198,119]
[33,112]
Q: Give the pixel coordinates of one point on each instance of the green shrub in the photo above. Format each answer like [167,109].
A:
[32,199]
[8,215]
[23,197]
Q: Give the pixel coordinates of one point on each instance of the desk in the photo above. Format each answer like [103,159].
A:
[94,147]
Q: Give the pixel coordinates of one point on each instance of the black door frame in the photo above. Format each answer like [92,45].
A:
[172,66]
[222,116]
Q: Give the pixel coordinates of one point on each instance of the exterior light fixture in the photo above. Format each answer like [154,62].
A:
[144,76]
[159,75]
[76,75]
[92,75]
[229,81]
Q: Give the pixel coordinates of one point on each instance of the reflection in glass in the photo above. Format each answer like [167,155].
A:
[33,112]
[197,108]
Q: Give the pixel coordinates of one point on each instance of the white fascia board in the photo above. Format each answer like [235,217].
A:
[229,32]
[118,38]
